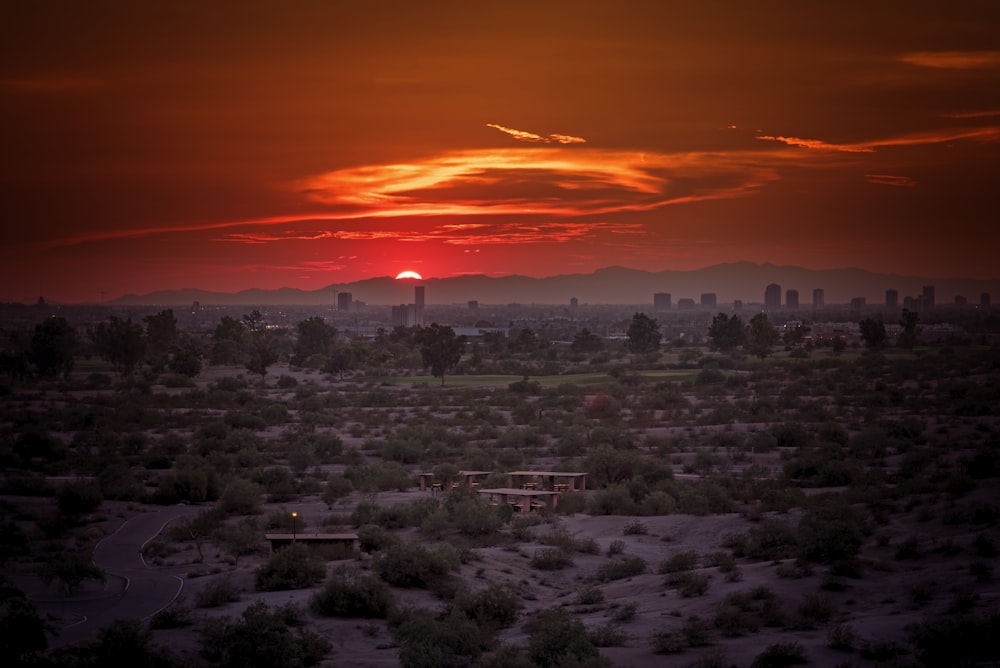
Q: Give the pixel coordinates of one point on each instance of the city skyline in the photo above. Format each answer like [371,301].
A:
[226,146]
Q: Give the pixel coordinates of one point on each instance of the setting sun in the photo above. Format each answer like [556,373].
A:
[409,274]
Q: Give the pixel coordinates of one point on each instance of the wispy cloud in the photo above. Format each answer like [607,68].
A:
[989,133]
[817,144]
[538,139]
[954,60]
[890,180]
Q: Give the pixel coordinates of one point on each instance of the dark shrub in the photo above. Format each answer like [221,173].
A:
[350,593]
[292,567]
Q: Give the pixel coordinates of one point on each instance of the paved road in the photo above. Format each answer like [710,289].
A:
[135,591]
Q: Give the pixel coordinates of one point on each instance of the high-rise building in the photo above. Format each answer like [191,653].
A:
[892,299]
[737,305]
[791,299]
[928,296]
[708,300]
[984,300]
[858,303]
[418,305]
[818,298]
[961,300]
[344,300]
[662,301]
[772,296]
[574,302]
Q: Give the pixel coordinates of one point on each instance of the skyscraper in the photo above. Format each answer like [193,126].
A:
[662,301]
[791,299]
[772,296]
[984,300]
[928,296]
[708,300]
[892,299]
[818,298]
[418,305]
[344,300]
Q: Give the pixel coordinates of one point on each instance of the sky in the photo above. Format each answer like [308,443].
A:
[235,144]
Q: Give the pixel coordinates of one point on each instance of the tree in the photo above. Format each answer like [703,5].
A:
[556,638]
[260,351]
[643,334]
[261,638]
[908,337]
[240,539]
[185,358]
[71,568]
[161,337]
[726,333]
[873,333]
[52,347]
[121,342]
[336,488]
[586,341]
[761,336]
[25,630]
[440,349]
[315,337]
[227,341]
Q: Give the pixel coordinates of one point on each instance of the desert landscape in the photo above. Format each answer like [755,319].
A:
[808,505]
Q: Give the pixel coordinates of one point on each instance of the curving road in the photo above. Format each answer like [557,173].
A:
[135,591]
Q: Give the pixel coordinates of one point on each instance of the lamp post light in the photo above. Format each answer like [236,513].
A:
[294,517]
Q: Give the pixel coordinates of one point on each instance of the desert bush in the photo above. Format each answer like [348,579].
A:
[613,500]
[813,611]
[668,642]
[744,612]
[689,585]
[779,655]
[492,608]
[589,596]
[260,637]
[841,637]
[635,528]
[551,559]
[624,613]
[616,547]
[292,567]
[217,592]
[830,532]
[555,638]
[695,631]
[350,593]
[680,561]
[619,569]
[413,565]
[175,616]
[957,640]
[608,635]
[771,539]
[241,497]
[427,640]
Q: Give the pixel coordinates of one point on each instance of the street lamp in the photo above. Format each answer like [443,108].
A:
[294,517]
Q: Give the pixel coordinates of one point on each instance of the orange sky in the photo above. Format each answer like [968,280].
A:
[226,145]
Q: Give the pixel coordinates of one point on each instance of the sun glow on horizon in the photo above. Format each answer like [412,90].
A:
[409,274]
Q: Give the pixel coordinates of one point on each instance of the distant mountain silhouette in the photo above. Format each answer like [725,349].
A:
[611,285]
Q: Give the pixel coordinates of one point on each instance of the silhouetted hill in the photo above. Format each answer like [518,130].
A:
[612,285]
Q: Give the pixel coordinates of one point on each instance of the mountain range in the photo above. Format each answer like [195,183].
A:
[612,285]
